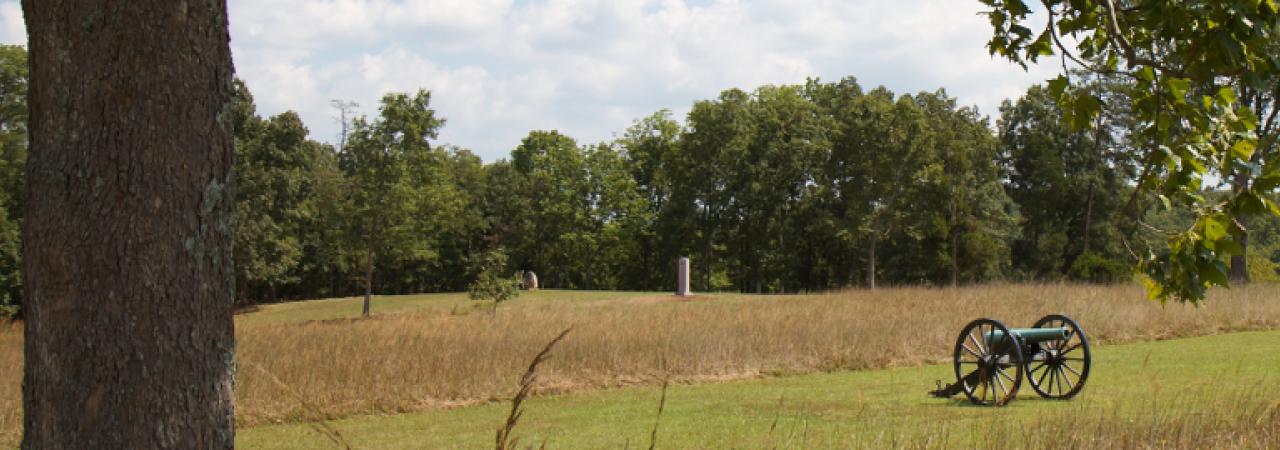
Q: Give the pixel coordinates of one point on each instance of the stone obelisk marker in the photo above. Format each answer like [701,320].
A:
[682,277]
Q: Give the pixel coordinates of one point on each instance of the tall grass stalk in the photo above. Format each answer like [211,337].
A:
[662,405]
[503,439]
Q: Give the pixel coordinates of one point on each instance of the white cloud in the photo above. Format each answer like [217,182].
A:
[499,68]
[12,28]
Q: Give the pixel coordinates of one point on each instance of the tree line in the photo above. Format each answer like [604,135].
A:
[787,188]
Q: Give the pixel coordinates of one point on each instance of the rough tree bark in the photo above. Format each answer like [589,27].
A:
[127,241]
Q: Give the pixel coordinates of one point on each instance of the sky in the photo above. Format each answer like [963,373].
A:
[498,69]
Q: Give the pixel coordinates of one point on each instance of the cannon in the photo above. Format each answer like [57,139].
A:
[991,360]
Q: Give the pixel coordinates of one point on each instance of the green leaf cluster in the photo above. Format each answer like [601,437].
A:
[13,159]
[1188,62]
[491,284]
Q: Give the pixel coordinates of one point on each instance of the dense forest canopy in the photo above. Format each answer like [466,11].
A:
[781,189]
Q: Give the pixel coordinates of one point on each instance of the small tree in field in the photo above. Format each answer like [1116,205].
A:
[490,285]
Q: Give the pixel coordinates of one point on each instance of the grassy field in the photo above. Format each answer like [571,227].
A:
[307,361]
[1203,392]
[349,307]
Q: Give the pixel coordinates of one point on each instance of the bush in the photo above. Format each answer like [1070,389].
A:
[10,268]
[490,285]
[1261,268]
[1093,268]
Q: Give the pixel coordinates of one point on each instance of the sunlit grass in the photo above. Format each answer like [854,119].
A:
[317,360]
[458,354]
[1209,392]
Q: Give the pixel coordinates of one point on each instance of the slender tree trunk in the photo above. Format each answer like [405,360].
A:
[1239,266]
[955,240]
[1093,181]
[333,282]
[1239,263]
[955,257]
[871,262]
[782,249]
[1088,214]
[127,245]
[954,212]
[853,269]
[368,284]
[706,250]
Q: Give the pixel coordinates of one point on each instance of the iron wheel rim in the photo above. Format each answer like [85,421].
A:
[999,366]
[1062,366]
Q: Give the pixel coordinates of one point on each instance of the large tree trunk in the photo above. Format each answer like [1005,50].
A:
[127,241]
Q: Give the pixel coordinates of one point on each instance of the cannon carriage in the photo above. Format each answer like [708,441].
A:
[991,360]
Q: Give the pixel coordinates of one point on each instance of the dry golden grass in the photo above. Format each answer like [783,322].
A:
[10,383]
[439,358]
[418,361]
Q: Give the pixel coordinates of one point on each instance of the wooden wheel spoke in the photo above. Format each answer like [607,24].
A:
[971,351]
[1065,379]
[1000,382]
[985,383]
[1073,370]
[1005,375]
[1040,382]
[981,348]
[1070,349]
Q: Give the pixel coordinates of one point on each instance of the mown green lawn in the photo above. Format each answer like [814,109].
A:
[1139,384]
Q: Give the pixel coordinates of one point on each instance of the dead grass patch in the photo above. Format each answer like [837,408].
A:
[447,358]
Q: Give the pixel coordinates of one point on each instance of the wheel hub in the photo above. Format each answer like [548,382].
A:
[1052,358]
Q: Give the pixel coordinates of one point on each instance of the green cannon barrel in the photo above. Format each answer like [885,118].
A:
[1029,335]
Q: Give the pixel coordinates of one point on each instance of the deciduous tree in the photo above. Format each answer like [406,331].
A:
[1188,61]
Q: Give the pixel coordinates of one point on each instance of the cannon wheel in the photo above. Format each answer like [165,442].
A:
[1059,368]
[988,374]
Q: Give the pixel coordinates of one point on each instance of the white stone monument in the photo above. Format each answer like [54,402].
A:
[530,281]
[682,277]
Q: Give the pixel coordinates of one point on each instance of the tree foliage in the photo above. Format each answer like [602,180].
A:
[780,189]
[493,283]
[1187,63]
[13,159]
